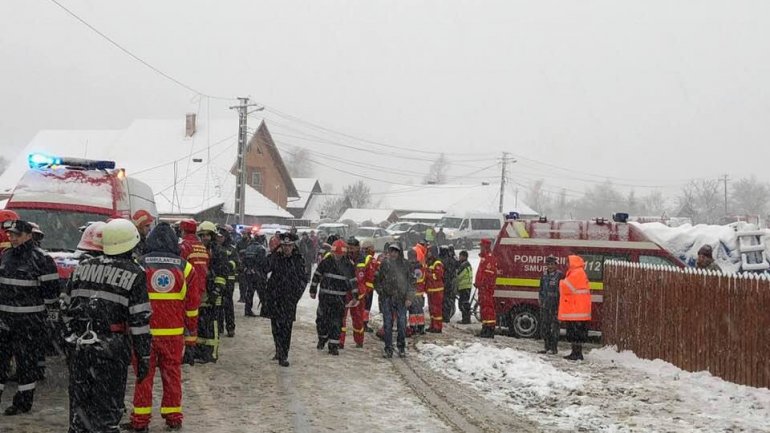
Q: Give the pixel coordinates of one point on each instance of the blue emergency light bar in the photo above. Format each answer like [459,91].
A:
[40,160]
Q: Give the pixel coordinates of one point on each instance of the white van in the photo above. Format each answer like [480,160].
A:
[465,231]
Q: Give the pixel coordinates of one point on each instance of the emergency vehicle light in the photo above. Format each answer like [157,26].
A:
[620,217]
[39,160]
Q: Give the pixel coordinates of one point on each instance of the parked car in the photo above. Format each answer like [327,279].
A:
[465,231]
[377,235]
[326,229]
[407,233]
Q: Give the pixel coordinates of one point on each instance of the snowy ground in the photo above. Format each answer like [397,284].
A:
[609,392]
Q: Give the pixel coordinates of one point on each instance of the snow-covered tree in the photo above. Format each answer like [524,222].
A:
[701,201]
[538,199]
[332,208]
[750,197]
[437,172]
[359,194]
[601,200]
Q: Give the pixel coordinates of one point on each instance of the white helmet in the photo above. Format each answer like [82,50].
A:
[92,237]
[119,236]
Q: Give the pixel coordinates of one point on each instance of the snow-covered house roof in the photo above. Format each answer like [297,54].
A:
[313,210]
[455,199]
[159,153]
[306,188]
[376,216]
[422,216]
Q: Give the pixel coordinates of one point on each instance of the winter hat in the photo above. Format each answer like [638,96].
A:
[162,239]
[706,251]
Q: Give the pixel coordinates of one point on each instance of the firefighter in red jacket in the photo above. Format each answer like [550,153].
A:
[365,282]
[193,250]
[169,286]
[434,285]
[486,277]
[417,309]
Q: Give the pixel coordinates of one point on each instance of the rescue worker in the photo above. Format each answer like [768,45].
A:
[549,306]
[6,215]
[90,244]
[354,302]
[336,276]
[227,311]
[706,259]
[195,253]
[365,281]
[284,290]
[169,281]
[395,288]
[575,305]
[430,235]
[434,285]
[417,309]
[464,284]
[143,220]
[106,314]
[29,293]
[37,234]
[486,279]
[216,279]
[450,273]
[51,346]
[253,269]
[241,246]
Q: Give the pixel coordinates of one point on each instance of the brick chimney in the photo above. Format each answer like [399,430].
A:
[189,126]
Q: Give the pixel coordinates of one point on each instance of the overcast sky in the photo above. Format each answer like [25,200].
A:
[646,93]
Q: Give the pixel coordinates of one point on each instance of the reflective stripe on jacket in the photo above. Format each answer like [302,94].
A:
[574,293]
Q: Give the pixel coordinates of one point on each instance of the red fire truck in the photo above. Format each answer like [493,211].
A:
[522,247]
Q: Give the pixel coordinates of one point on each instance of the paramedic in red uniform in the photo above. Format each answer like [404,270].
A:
[356,301]
[193,250]
[370,270]
[169,287]
[575,305]
[143,221]
[486,277]
[434,285]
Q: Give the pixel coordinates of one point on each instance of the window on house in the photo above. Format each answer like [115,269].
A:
[256,180]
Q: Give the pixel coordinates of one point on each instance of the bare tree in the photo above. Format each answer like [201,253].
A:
[437,172]
[299,163]
[633,206]
[700,201]
[653,203]
[601,200]
[332,208]
[538,199]
[359,194]
[750,196]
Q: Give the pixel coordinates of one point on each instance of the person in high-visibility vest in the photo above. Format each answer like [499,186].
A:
[486,277]
[575,305]
[169,286]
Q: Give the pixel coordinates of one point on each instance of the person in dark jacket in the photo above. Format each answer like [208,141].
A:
[394,284]
[447,257]
[284,290]
[308,252]
[254,276]
[549,305]
[29,291]
[227,312]
[106,313]
[216,280]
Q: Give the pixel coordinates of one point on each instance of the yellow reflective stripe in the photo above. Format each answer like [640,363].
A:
[188,268]
[521,230]
[166,296]
[143,410]
[166,331]
[220,280]
[534,282]
[167,410]
[192,313]
[484,322]
[437,289]
[360,265]
[433,266]
[586,316]
[197,255]
[370,285]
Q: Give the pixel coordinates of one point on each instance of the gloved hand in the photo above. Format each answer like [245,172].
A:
[142,368]
[313,291]
[189,355]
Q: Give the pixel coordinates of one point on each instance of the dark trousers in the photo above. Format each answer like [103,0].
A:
[549,326]
[577,332]
[282,328]
[449,302]
[390,306]
[329,318]
[208,332]
[97,387]
[465,303]
[227,321]
[247,290]
[21,337]
[261,288]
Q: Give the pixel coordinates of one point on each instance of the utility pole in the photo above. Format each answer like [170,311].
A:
[725,178]
[502,182]
[240,173]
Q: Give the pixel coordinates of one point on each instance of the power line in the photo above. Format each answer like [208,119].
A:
[134,56]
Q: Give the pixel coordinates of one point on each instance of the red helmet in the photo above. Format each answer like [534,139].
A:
[92,237]
[339,247]
[8,215]
[188,225]
[142,217]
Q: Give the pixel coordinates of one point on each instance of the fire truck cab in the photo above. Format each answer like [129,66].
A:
[522,247]
[62,195]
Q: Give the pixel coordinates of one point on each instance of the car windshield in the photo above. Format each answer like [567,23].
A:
[399,227]
[365,232]
[61,228]
[450,223]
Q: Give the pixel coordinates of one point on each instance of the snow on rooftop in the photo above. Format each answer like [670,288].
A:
[420,216]
[304,187]
[455,199]
[376,216]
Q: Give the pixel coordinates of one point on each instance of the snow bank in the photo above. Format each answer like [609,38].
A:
[685,241]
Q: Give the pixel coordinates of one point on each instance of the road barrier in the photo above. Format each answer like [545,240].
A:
[697,320]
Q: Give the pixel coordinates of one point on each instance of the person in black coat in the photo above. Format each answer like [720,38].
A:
[284,290]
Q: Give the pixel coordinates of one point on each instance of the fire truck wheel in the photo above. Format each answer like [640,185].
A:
[523,322]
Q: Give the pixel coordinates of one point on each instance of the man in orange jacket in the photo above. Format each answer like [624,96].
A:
[575,305]
[486,279]
[193,250]
[169,279]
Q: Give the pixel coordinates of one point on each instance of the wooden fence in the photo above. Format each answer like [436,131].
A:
[696,320]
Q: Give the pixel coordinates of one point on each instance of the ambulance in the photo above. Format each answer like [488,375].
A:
[63,195]
[521,248]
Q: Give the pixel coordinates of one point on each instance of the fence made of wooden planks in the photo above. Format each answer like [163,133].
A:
[696,320]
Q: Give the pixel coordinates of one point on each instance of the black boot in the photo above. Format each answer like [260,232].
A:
[466,320]
[576,354]
[367,328]
[321,344]
[14,410]
[333,349]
